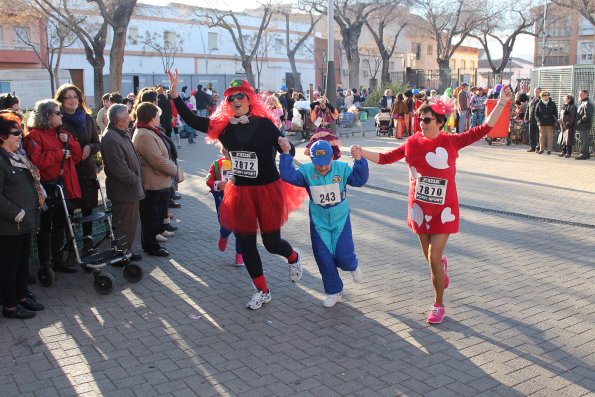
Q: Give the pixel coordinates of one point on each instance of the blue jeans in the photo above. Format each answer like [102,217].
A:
[202,112]
[190,132]
[462,121]
[477,119]
[218,196]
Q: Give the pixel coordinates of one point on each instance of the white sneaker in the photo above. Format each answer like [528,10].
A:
[160,238]
[167,234]
[258,299]
[295,269]
[332,299]
[357,275]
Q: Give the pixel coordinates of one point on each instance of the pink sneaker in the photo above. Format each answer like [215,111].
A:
[239,260]
[446,278]
[222,244]
[436,315]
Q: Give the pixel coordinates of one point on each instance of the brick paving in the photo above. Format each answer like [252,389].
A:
[520,306]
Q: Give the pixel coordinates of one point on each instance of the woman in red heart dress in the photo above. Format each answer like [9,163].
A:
[433,208]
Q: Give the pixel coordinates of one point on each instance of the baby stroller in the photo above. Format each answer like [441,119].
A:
[383,122]
[95,255]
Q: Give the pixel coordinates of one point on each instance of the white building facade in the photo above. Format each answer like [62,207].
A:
[177,36]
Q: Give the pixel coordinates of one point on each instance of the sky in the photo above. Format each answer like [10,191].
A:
[524,46]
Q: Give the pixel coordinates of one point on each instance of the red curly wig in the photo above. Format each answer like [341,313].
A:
[220,118]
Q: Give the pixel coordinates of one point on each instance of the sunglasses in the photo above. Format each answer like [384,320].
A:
[16,133]
[58,113]
[70,97]
[239,96]
[426,120]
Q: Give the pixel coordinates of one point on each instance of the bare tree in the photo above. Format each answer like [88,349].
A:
[585,7]
[261,53]
[229,21]
[167,45]
[59,36]
[505,34]
[351,15]
[117,13]
[386,46]
[373,59]
[293,45]
[90,33]
[450,23]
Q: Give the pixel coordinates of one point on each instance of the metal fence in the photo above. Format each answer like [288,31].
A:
[564,80]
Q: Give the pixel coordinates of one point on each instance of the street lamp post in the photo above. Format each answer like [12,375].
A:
[544,32]
[331,85]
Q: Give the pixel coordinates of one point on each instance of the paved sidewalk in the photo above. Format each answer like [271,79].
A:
[520,307]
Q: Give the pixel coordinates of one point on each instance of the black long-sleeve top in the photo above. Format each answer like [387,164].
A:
[253,146]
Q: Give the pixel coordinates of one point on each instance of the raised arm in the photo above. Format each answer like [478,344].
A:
[505,97]
[197,122]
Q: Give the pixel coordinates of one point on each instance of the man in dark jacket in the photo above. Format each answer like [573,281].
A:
[166,114]
[584,123]
[546,114]
[530,117]
[202,101]
[123,182]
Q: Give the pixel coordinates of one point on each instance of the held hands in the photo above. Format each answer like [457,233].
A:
[173,82]
[221,185]
[284,144]
[66,153]
[356,152]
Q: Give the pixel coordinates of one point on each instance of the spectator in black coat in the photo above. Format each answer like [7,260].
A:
[546,114]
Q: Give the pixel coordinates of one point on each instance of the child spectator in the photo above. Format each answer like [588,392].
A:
[219,175]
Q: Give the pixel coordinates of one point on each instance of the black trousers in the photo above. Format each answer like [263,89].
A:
[152,211]
[272,242]
[14,267]
[533,135]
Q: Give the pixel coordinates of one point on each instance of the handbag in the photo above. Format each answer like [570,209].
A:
[181,177]
[561,137]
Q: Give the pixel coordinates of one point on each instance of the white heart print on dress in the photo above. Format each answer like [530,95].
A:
[447,215]
[438,160]
[417,214]
[428,218]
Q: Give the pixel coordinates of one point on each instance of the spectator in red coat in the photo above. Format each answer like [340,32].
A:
[55,152]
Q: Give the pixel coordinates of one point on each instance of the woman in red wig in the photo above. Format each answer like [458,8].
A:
[257,199]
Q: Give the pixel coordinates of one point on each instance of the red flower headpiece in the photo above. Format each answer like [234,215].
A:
[442,106]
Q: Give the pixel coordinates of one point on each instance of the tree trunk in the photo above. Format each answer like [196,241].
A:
[98,84]
[385,75]
[247,65]
[52,81]
[116,59]
[296,76]
[444,67]
[354,67]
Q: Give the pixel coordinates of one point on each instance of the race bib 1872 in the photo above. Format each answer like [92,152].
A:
[244,164]
[431,190]
[326,194]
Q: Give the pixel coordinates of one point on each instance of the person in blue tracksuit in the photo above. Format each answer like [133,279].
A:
[330,226]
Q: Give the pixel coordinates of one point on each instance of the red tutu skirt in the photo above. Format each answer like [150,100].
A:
[264,208]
